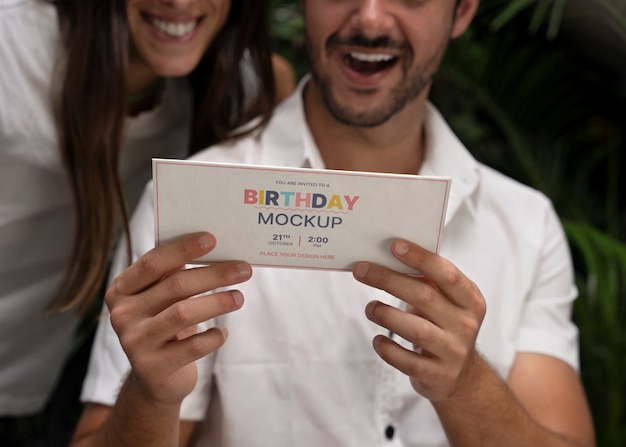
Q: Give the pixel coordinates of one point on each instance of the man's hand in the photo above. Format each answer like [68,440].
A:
[443,315]
[444,312]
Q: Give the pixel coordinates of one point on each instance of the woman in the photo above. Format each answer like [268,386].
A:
[90,91]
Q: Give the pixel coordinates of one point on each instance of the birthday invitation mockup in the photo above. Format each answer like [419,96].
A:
[297,217]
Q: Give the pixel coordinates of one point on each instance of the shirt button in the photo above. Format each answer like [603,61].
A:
[389,432]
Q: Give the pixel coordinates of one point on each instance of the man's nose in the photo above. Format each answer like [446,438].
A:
[372,18]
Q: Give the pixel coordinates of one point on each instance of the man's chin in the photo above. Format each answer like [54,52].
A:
[355,118]
[357,109]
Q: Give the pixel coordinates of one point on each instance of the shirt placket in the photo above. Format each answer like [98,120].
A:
[387,397]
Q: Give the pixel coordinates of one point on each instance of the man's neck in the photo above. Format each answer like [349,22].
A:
[397,146]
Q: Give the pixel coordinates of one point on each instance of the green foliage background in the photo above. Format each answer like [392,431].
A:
[537,89]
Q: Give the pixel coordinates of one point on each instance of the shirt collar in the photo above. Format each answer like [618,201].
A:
[290,142]
[446,156]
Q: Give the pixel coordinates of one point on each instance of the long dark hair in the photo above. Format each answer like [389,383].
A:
[93,107]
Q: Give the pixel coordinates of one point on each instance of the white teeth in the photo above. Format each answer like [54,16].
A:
[174,29]
[365,57]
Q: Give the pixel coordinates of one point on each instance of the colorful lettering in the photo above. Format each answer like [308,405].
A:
[299,200]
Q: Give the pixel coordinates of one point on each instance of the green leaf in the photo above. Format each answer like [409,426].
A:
[512,10]
[556,18]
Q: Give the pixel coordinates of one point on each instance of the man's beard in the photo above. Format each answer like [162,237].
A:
[413,83]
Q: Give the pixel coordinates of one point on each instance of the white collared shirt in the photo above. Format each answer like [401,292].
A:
[298,368]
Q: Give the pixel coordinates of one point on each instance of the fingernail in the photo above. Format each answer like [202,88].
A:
[205,241]
[361,269]
[237,297]
[244,270]
[401,248]
[376,342]
[369,308]
[223,330]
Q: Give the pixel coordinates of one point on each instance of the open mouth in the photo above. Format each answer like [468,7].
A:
[176,29]
[369,63]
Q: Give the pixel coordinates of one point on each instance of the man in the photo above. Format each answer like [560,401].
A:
[298,368]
